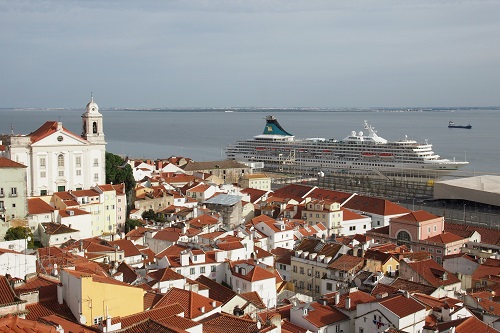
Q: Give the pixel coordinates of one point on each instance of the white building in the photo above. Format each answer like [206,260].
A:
[59,160]
[13,204]
[401,312]
[245,276]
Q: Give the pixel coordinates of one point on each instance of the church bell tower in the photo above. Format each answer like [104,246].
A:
[92,129]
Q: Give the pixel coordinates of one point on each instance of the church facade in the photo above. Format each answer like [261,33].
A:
[59,160]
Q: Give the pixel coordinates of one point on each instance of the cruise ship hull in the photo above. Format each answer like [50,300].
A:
[279,150]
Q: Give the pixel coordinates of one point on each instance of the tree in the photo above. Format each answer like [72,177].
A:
[14,233]
[149,215]
[118,172]
[131,224]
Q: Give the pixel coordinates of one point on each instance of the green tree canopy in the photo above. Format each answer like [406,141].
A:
[14,233]
[117,172]
[131,224]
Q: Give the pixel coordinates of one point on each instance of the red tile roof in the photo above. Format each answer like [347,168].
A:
[190,301]
[224,323]
[38,206]
[488,235]
[7,163]
[47,129]
[401,305]
[445,238]
[324,315]
[127,246]
[158,313]
[433,273]
[17,325]
[217,291]
[251,272]
[347,263]
[416,217]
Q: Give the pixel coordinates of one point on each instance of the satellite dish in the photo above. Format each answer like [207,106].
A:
[83,319]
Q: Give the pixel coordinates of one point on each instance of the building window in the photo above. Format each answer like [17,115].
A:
[96,162]
[43,192]
[212,269]
[301,270]
[329,286]
[13,191]
[202,270]
[78,172]
[61,173]
[97,320]
[60,160]
[78,161]
[43,174]
[435,228]
[316,289]
[403,238]
[42,162]
[351,228]
[191,271]
[96,177]
[294,269]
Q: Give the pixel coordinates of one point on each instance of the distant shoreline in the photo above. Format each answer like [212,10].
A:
[270,109]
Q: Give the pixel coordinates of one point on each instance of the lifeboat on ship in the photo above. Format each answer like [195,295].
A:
[386,155]
[368,154]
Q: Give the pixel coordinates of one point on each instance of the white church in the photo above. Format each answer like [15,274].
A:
[59,160]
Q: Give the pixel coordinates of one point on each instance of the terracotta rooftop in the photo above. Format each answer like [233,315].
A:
[217,291]
[52,228]
[223,323]
[159,313]
[12,324]
[445,238]
[488,236]
[347,263]
[401,305]
[466,325]
[324,315]
[192,302]
[415,217]
[356,297]
[433,273]
[7,163]
[38,206]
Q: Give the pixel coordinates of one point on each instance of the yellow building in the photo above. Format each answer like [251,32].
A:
[258,181]
[326,212]
[377,261]
[93,298]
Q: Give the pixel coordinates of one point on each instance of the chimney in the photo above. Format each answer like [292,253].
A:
[202,309]
[337,298]
[347,303]
[214,304]
[108,324]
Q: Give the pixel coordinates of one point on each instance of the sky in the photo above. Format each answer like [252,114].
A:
[249,53]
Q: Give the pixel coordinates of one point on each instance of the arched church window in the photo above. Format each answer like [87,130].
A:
[94,127]
[403,238]
[60,160]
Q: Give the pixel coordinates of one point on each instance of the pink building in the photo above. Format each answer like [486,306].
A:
[420,231]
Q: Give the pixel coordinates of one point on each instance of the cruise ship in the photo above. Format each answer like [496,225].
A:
[364,151]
